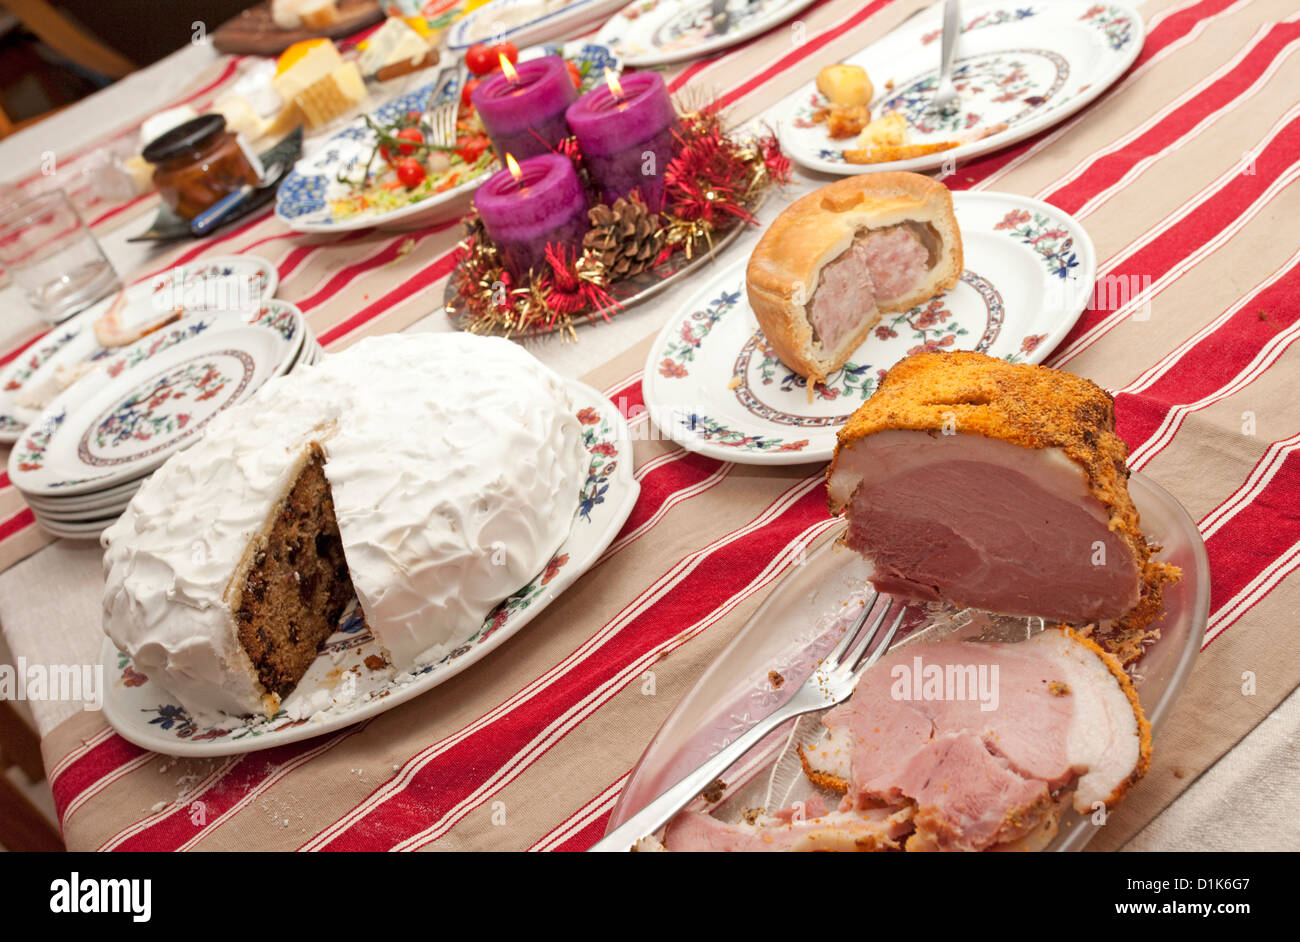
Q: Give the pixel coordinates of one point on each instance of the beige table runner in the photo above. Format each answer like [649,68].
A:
[1183,175]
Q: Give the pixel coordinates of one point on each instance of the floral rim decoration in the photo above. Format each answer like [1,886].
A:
[713,182]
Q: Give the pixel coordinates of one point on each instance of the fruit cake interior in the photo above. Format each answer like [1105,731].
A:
[295,582]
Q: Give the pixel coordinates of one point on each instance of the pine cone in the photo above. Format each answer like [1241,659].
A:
[626,237]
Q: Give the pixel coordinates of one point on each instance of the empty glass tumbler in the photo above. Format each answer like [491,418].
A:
[52,256]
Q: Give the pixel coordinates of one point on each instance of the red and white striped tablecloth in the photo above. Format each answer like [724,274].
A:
[1184,174]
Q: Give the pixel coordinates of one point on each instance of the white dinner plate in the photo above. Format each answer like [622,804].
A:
[649,33]
[303,201]
[527,21]
[80,530]
[714,385]
[1027,67]
[71,510]
[146,714]
[734,692]
[147,402]
[226,282]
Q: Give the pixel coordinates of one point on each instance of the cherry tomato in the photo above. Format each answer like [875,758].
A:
[480,59]
[504,49]
[385,153]
[411,172]
[574,74]
[469,149]
[468,90]
[414,117]
[409,134]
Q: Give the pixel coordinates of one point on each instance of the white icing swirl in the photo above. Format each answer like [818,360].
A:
[454,462]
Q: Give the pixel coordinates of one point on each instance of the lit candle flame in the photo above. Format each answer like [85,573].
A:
[612,81]
[513,166]
[507,68]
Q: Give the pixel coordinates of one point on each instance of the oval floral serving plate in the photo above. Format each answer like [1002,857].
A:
[792,630]
[226,282]
[1022,67]
[304,200]
[657,32]
[339,689]
[714,385]
[151,399]
[527,21]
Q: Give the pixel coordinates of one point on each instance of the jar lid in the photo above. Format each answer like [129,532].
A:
[184,139]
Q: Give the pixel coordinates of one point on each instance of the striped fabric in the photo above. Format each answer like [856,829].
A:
[1184,174]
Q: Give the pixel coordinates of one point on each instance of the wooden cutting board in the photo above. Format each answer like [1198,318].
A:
[253,32]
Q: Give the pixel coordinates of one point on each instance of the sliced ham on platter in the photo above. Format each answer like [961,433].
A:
[959,744]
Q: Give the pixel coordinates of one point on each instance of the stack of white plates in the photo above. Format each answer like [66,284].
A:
[80,462]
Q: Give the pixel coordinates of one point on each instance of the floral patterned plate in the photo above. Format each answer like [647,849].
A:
[527,21]
[713,384]
[657,32]
[150,400]
[273,313]
[1022,67]
[339,689]
[225,282]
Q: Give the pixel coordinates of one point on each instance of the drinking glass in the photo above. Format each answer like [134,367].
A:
[52,256]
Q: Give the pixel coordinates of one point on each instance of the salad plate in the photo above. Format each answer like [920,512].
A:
[325,193]
[30,382]
[649,33]
[714,384]
[1018,70]
[792,629]
[339,689]
[527,21]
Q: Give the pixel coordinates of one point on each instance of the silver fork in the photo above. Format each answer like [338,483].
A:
[442,124]
[945,94]
[441,117]
[831,682]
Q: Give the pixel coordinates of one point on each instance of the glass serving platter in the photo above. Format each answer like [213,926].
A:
[791,630]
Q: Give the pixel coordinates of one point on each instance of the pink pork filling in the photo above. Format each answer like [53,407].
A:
[990,537]
[881,266]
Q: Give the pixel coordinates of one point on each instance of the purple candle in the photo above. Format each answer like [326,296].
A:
[625,132]
[522,108]
[529,204]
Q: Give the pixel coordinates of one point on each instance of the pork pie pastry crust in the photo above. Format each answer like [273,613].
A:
[837,260]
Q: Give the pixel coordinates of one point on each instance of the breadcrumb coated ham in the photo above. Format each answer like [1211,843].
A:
[1066,717]
[998,486]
